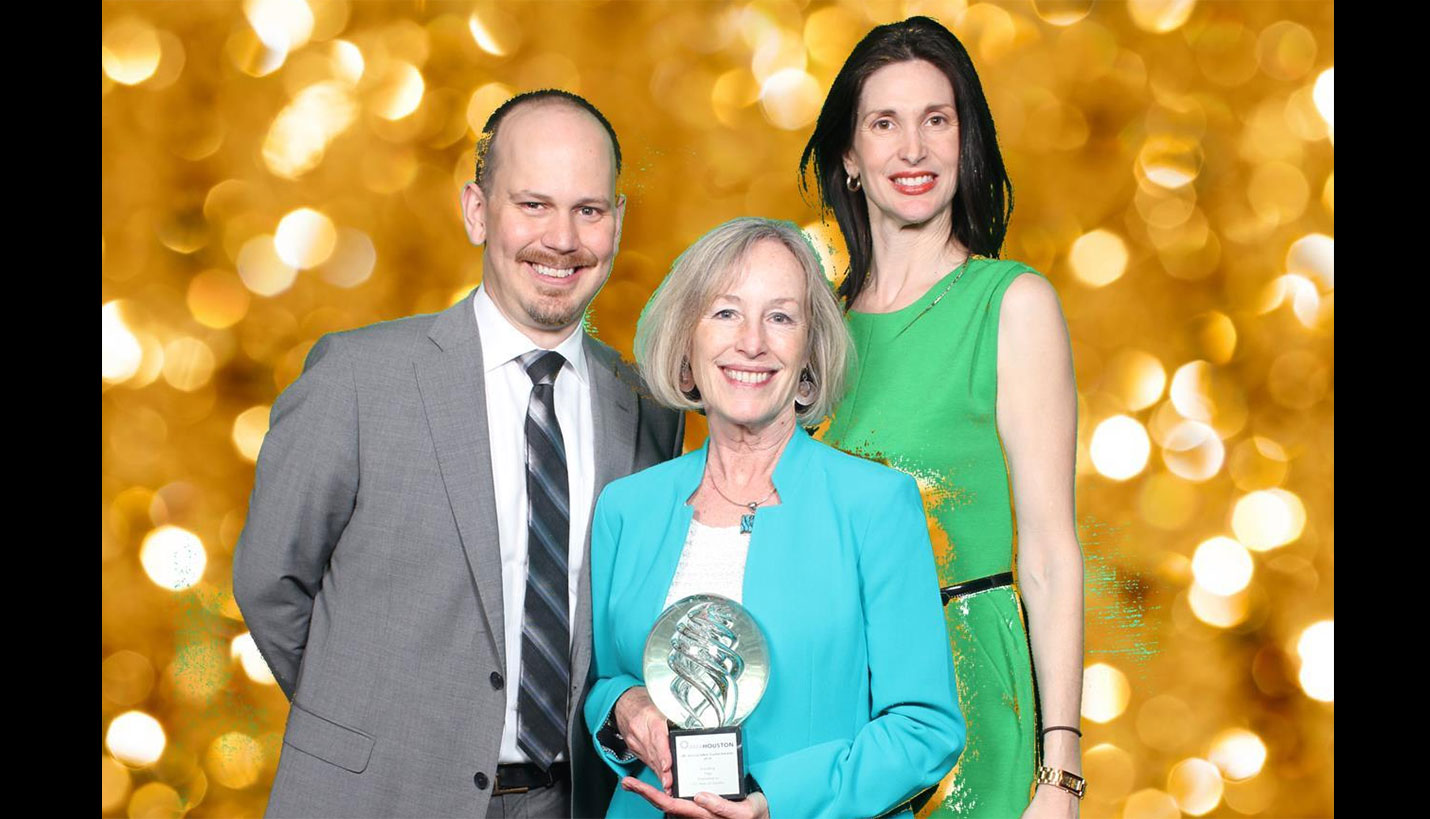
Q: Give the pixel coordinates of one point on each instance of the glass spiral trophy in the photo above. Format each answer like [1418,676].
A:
[706,666]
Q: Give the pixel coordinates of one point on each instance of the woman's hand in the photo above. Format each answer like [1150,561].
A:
[645,730]
[1051,802]
[705,806]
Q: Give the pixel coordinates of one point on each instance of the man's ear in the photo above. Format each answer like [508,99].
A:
[474,212]
[620,213]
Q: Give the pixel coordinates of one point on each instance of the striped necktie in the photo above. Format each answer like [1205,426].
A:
[545,631]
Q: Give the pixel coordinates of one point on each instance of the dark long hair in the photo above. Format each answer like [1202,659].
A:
[983,203]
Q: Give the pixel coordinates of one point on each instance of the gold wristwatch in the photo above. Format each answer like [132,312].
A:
[1072,783]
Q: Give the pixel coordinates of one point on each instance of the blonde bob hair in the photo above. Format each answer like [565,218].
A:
[706,269]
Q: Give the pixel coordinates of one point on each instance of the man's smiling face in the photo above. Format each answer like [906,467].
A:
[551,221]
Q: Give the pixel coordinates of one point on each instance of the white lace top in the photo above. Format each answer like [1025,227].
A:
[711,562]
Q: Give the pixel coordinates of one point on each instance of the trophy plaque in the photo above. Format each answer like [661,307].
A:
[706,666]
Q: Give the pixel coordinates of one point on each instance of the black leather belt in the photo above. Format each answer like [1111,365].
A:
[992,581]
[525,776]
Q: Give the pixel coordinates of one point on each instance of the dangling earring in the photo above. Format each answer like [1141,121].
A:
[807,391]
[687,381]
[852,183]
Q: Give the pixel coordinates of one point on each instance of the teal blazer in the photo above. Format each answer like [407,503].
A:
[860,714]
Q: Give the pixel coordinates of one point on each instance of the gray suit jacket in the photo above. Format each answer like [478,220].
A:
[370,574]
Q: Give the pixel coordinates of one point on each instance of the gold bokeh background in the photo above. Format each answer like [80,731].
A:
[277,169]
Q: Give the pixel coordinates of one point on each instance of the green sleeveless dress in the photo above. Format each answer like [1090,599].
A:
[923,401]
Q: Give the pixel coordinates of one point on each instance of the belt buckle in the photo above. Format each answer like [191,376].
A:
[498,790]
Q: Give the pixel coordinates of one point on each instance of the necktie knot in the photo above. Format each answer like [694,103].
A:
[542,366]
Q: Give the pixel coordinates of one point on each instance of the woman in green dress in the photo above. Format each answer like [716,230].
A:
[965,382]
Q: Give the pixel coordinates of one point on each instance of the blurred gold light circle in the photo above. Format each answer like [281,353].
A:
[1160,16]
[1222,566]
[1165,723]
[127,677]
[1251,796]
[1238,753]
[121,353]
[135,738]
[1111,768]
[261,268]
[1257,463]
[1317,648]
[235,760]
[249,429]
[155,801]
[1136,377]
[1098,257]
[1205,393]
[1169,161]
[1325,96]
[1278,191]
[1105,692]
[174,558]
[1166,501]
[129,50]
[188,363]
[790,99]
[734,91]
[282,25]
[305,238]
[1226,52]
[217,299]
[1222,611]
[1150,803]
[1268,518]
[830,34]
[300,134]
[1193,451]
[483,102]
[352,261]
[1328,194]
[494,31]
[250,55]
[1196,785]
[347,61]
[1215,335]
[1062,12]
[399,92]
[113,784]
[1286,50]
[1314,256]
[252,661]
[1119,447]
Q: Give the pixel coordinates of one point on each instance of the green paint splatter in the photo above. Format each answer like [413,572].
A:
[1119,619]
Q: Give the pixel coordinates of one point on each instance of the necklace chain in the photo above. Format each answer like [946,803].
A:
[752,505]
[962,268]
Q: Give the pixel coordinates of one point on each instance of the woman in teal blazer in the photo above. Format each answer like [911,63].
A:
[858,716]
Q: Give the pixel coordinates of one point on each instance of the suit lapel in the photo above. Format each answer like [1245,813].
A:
[613,423]
[449,377]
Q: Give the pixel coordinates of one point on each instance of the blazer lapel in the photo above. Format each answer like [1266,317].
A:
[449,377]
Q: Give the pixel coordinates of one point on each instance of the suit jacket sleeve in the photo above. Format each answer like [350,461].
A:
[303,495]
[917,731]
[609,681]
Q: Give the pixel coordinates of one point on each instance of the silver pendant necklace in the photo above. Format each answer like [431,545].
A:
[747,522]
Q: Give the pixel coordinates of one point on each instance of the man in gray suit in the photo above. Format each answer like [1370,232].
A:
[414,566]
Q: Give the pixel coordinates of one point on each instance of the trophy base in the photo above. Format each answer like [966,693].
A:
[709,760]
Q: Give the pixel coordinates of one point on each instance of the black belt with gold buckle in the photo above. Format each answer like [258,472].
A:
[992,581]
[525,776]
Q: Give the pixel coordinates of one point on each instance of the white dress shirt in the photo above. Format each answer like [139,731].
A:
[508,389]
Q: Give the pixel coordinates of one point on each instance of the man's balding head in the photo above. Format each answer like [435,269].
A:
[488,153]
